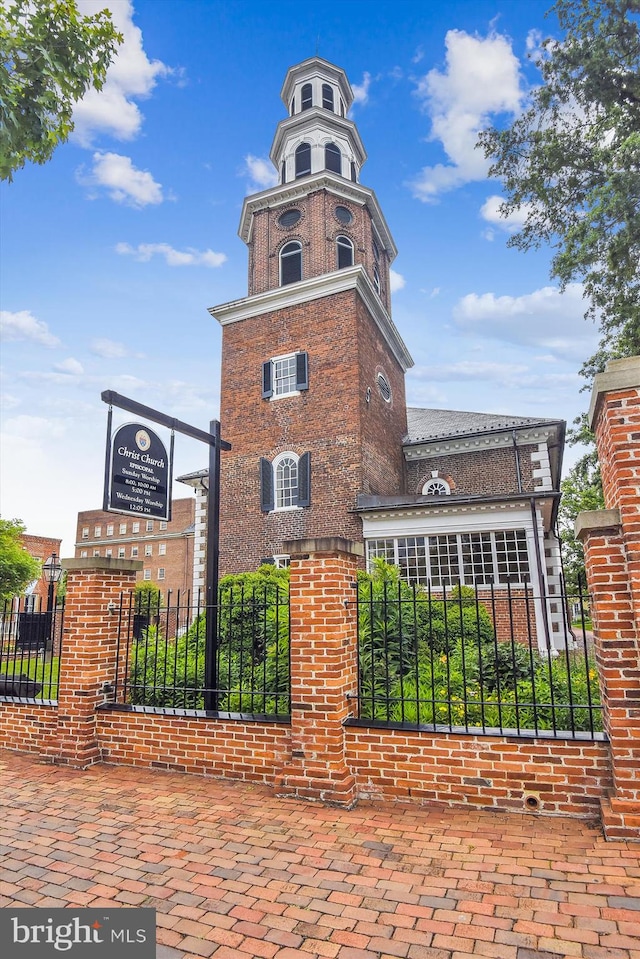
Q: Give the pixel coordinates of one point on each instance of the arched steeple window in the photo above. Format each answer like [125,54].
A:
[332,158]
[303,160]
[327,97]
[290,263]
[306,96]
[376,280]
[344,249]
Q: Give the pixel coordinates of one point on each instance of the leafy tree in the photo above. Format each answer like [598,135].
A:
[50,56]
[581,490]
[17,567]
[571,162]
[147,595]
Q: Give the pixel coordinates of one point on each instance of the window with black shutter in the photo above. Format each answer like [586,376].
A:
[266,485]
[333,158]
[302,371]
[267,379]
[303,160]
[327,97]
[304,480]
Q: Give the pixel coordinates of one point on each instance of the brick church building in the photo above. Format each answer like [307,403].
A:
[313,392]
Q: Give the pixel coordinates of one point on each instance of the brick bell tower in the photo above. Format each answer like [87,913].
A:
[312,386]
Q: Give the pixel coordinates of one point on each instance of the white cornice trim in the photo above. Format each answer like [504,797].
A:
[327,284]
[315,67]
[478,442]
[298,189]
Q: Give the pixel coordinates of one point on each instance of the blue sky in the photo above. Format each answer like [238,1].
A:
[112,252]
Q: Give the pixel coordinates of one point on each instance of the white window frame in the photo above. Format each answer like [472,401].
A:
[280,492]
[110,529]
[149,526]
[436,486]
[85,532]
[161,573]
[121,553]
[122,529]
[146,574]
[148,549]
[162,549]
[97,531]
[134,552]
[163,524]
[135,527]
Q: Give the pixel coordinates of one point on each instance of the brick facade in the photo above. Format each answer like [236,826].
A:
[160,548]
[354,442]
[479,472]
[40,547]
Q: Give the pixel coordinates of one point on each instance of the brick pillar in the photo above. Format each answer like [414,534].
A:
[324,669]
[89,650]
[611,540]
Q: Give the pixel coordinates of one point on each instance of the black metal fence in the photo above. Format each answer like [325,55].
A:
[30,644]
[476,659]
[161,653]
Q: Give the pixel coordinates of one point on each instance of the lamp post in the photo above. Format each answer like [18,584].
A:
[51,573]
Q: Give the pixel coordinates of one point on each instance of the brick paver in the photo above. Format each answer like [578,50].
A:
[234,871]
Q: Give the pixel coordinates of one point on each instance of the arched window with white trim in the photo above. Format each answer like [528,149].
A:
[303,160]
[333,158]
[306,96]
[291,263]
[285,483]
[344,252]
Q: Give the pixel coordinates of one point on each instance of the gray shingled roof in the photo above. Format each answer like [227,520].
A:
[436,424]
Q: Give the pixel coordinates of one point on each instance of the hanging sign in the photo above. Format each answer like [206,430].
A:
[138,477]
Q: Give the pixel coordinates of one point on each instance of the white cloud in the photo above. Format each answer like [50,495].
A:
[189,257]
[481,78]
[396,281]
[131,75]
[545,319]
[490,211]
[361,90]
[261,172]
[71,366]
[505,374]
[122,181]
[24,326]
[108,349]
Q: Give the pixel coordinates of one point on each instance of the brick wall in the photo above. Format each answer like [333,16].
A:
[323,752]
[612,555]
[478,472]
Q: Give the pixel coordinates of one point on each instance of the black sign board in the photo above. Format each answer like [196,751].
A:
[138,480]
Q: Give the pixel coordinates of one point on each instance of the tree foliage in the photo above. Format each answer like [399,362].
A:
[50,56]
[571,162]
[17,567]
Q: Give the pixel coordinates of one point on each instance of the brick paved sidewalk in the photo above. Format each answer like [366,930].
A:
[235,872]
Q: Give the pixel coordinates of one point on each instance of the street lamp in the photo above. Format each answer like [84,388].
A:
[51,573]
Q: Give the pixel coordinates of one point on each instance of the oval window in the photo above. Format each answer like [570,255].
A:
[383,386]
[289,218]
[344,215]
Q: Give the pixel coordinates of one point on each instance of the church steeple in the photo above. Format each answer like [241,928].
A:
[319,218]
[312,386]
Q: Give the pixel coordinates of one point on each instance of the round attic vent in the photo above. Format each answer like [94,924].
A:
[344,215]
[289,218]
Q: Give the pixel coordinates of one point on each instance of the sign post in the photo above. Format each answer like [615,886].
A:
[135,478]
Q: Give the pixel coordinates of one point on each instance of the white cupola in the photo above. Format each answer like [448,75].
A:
[317,136]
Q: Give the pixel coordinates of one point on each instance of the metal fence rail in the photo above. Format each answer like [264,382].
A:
[475,659]
[30,644]
[161,653]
